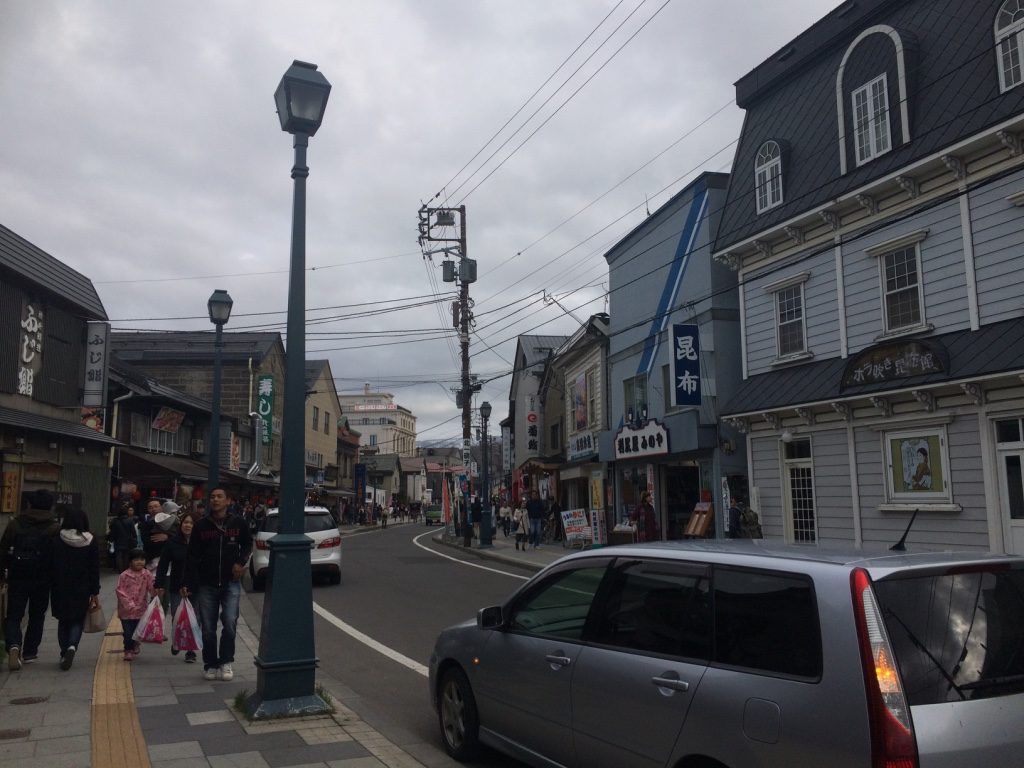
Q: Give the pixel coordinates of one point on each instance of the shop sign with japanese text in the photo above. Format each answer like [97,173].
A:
[685,364]
[532,427]
[30,347]
[651,439]
[265,404]
[894,360]
[94,393]
[582,445]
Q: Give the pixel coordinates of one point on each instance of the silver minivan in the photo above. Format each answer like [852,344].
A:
[738,654]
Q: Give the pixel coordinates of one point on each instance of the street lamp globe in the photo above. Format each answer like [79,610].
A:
[301,98]
[485,409]
[219,307]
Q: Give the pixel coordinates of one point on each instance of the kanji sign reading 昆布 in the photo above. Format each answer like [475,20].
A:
[685,351]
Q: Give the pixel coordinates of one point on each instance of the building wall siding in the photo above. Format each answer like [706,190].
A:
[997,226]
[833,510]
[821,315]
[765,477]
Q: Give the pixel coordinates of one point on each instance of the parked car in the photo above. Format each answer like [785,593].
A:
[325,554]
[729,654]
[432,514]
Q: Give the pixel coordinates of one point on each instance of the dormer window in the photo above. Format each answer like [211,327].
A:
[871,119]
[1009,41]
[768,176]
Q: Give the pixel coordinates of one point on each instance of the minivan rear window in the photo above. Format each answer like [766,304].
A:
[767,621]
[957,635]
[316,521]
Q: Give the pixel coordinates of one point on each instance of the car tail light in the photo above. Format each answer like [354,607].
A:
[262,543]
[334,541]
[893,744]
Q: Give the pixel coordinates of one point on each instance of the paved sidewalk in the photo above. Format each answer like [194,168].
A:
[158,711]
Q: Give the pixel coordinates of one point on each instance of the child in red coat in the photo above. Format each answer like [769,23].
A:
[134,590]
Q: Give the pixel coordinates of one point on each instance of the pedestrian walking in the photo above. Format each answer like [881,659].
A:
[170,572]
[218,550]
[134,591]
[535,515]
[505,513]
[476,510]
[125,535]
[26,550]
[154,529]
[75,582]
[519,526]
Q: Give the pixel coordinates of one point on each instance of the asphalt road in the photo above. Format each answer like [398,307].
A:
[400,595]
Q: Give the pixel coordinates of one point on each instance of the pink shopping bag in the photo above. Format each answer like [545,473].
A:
[187,635]
[151,625]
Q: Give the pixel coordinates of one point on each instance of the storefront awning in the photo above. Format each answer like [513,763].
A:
[234,476]
[136,464]
[337,492]
[22,420]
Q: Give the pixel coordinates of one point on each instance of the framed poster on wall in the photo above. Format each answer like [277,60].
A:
[918,465]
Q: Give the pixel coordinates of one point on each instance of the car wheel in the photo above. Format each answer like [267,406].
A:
[457,715]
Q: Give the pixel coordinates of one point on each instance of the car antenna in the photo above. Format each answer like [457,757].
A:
[901,545]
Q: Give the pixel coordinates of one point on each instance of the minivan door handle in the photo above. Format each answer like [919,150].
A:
[557,661]
[672,683]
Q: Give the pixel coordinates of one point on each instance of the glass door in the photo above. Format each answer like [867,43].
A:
[1010,453]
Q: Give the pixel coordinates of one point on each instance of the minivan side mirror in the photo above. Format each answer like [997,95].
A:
[489,618]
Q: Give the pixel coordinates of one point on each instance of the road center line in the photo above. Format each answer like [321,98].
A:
[368,641]
[416,541]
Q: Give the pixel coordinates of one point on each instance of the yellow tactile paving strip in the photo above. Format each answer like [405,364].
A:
[116,732]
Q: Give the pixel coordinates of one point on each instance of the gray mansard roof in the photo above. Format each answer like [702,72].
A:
[993,350]
[952,92]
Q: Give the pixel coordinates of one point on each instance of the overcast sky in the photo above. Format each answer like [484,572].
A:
[139,145]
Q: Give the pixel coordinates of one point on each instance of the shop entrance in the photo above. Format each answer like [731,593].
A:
[682,492]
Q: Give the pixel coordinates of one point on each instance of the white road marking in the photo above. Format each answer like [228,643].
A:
[382,649]
[416,541]
[368,641]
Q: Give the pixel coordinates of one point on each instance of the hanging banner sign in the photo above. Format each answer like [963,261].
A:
[685,364]
[265,404]
[30,347]
[94,393]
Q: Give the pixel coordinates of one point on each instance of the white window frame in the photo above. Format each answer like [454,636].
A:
[887,327]
[896,488]
[768,176]
[316,418]
[775,289]
[874,127]
[1009,40]
[592,420]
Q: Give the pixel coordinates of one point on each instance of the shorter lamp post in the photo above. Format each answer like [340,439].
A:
[219,307]
[485,522]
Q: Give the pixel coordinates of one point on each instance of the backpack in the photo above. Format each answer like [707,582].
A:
[750,524]
[26,555]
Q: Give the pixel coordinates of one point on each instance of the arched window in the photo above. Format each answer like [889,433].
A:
[1009,41]
[768,176]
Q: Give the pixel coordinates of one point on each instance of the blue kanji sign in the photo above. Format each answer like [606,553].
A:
[685,351]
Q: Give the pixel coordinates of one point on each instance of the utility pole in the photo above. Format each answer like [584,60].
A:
[431,219]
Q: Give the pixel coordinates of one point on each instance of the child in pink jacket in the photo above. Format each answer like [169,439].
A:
[134,590]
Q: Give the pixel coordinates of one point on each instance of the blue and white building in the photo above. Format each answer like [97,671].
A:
[673,355]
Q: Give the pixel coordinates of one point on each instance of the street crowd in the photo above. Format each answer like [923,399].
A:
[50,559]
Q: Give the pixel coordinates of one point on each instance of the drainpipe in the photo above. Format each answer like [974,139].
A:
[257,444]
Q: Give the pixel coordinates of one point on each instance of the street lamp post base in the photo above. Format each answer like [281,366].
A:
[298,706]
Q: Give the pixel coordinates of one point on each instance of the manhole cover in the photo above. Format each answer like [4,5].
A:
[14,733]
[30,700]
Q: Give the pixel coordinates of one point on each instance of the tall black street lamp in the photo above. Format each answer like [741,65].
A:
[219,307]
[485,523]
[286,663]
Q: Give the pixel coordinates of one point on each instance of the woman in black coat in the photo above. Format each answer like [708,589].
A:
[75,582]
[171,570]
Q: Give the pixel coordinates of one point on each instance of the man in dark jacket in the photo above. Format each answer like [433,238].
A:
[535,514]
[26,549]
[218,550]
